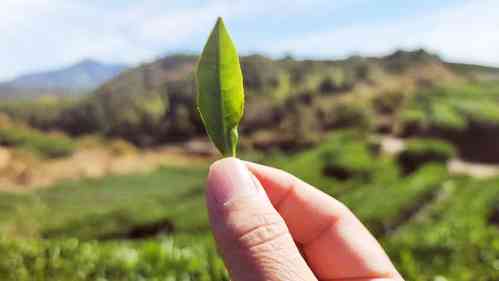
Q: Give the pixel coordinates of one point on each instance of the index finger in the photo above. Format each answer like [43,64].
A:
[335,243]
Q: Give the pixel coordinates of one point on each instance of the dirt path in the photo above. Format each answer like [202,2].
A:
[392,145]
[459,167]
[21,175]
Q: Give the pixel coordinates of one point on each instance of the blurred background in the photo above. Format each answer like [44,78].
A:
[390,106]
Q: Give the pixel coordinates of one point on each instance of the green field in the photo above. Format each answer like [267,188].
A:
[154,226]
[319,120]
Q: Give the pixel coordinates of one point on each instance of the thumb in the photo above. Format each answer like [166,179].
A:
[251,235]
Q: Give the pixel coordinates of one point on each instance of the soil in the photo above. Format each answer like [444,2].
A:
[24,175]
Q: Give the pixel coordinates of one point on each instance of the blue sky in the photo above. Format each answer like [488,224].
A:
[46,34]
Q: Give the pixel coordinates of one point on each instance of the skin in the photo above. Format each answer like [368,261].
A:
[269,225]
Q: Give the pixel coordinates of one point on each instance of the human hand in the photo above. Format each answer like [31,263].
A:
[269,225]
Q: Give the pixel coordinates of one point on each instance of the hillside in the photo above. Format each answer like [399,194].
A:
[83,76]
[160,95]
[9,93]
[477,72]
[291,104]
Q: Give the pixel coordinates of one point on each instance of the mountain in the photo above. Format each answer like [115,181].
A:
[83,76]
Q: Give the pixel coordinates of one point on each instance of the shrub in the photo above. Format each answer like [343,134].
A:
[447,118]
[299,127]
[421,151]
[451,237]
[383,206]
[388,102]
[479,111]
[91,141]
[261,75]
[411,122]
[328,85]
[347,157]
[42,113]
[121,147]
[65,260]
[346,114]
[445,110]
[38,142]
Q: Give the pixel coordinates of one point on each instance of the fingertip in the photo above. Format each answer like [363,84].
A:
[221,164]
[228,179]
[219,170]
[277,183]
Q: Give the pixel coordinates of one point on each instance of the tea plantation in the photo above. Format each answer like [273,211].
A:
[435,226]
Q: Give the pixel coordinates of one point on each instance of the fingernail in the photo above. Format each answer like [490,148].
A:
[229,179]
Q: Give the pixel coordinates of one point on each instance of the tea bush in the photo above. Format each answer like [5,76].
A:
[421,151]
[433,225]
[40,143]
[451,108]
[72,260]
[348,158]
[383,206]
[451,238]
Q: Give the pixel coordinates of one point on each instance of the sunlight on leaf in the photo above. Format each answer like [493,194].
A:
[220,90]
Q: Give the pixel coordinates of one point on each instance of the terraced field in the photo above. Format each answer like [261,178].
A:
[454,236]
[154,226]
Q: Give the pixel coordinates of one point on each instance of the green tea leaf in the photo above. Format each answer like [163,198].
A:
[220,90]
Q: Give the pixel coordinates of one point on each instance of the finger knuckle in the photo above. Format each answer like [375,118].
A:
[267,230]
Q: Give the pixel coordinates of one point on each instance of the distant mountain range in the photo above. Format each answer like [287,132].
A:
[81,77]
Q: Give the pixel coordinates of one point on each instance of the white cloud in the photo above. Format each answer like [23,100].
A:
[14,12]
[42,34]
[467,33]
[173,27]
